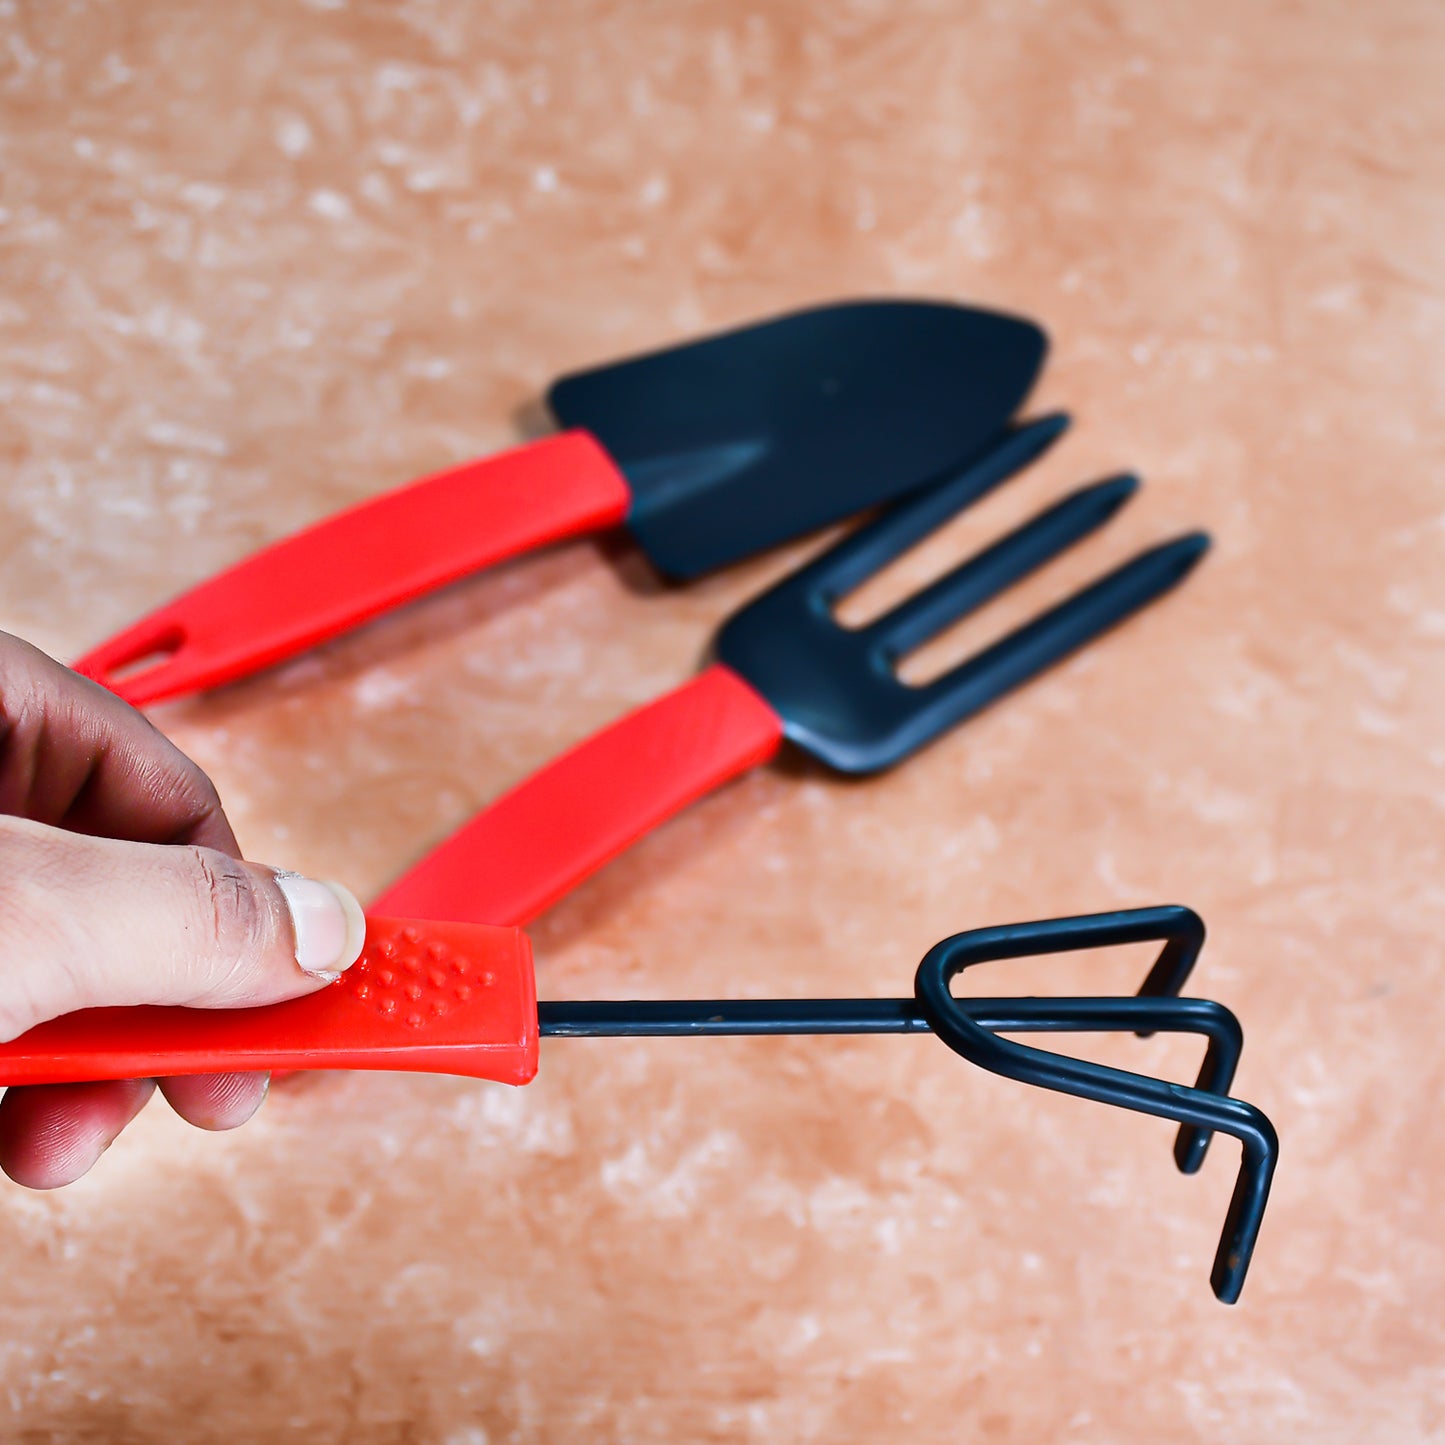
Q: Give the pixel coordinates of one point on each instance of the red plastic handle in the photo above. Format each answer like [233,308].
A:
[455,997]
[435,998]
[543,838]
[361,562]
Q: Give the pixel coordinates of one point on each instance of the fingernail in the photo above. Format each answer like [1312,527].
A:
[327,922]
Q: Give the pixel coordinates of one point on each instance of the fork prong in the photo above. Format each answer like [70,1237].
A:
[981,578]
[1037,645]
[847,565]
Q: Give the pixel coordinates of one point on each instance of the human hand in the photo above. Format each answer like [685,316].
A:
[122,883]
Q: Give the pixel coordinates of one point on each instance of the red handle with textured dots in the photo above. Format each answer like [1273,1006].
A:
[436,998]
[361,562]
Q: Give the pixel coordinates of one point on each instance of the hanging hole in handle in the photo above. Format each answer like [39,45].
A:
[141,657]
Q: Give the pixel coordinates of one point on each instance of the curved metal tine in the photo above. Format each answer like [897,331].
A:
[1181,931]
[872,547]
[1143,1016]
[952,1022]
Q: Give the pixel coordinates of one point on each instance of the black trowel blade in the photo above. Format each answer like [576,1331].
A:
[745,439]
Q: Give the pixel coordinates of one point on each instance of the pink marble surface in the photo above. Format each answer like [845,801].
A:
[258,261]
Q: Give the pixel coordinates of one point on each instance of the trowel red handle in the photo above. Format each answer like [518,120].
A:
[436,998]
[540,840]
[362,562]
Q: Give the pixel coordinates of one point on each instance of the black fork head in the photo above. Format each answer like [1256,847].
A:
[1198,1110]
[837,689]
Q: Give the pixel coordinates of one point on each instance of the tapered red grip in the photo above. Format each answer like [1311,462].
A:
[362,562]
[428,997]
[543,838]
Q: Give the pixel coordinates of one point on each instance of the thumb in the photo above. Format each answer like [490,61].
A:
[92,922]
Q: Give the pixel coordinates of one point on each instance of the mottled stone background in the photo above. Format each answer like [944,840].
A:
[260,260]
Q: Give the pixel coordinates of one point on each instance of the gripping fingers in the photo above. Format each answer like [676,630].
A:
[51,1134]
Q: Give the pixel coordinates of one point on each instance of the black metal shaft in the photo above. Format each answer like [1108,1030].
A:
[1142,1014]
[663,1018]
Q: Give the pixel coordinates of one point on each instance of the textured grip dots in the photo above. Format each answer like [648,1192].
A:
[407,975]
[454,997]
[450,998]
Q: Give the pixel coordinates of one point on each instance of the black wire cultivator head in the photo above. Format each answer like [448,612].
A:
[1198,1111]
[971,1027]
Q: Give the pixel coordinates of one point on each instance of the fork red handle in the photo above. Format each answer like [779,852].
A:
[434,998]
[351,567]
[541,839]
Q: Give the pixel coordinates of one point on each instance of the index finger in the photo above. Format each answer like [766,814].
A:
[74,755]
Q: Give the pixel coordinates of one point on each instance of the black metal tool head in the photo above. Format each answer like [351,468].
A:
[743,440]
[837,689]
[970,1026]
[1197,1110]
